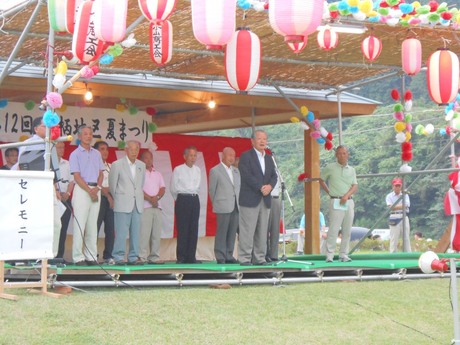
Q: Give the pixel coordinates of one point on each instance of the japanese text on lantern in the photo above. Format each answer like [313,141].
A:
[92,40]
[157,40]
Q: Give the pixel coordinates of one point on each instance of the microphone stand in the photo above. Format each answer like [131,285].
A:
[284,192]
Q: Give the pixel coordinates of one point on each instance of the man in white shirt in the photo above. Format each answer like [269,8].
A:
[65,188]
[185,186]
[398,226]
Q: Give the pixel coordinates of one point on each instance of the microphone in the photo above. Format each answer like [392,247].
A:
[63,138]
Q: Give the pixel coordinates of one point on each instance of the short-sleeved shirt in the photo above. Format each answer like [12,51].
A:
[322,221]
[86,162]
[185,179]
[392,197]
[339,178]
[66,177]
[153,182]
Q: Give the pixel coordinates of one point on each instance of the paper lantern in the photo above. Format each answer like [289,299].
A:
[411,55]
[327,38]
[213,22]
[61,14]
[85,45]
[161,42]
[110,20]
[371,47]
[442,76]
[157,10]
[295,19]
[242,60]
[297,47]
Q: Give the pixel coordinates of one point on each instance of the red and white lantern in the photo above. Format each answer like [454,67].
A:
[110,19]
[327,38]
[213,22]
[161,42]
[61,14]
[295,19]
[85,45]
[242,60]
[442,76]
[297,47]
[157,10]
[371,47]
[411,56]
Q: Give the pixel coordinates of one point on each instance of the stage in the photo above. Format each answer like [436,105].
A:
[297,269]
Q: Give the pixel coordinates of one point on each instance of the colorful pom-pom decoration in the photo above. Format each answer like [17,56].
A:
[408,95]
[55,132]
[302,177]
[310,116]
[304,110]
[3,103]
[151,111]
[295,119]
[133,110]
[50,119]
[54,100]
[29,105]
[395,94]
[152,127]
[328,145]
[121,145]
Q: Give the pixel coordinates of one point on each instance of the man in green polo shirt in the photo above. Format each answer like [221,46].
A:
[339,181]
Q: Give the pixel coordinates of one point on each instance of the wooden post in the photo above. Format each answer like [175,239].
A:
[312,195]
[42,284]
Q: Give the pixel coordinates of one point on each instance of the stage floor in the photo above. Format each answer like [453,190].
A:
[297,269]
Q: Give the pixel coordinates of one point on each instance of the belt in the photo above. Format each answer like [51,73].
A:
[275,196]
[398,212]
[187,194]
[92,184]
[339,197]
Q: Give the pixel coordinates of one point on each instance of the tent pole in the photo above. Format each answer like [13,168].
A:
[339,117]
[20,41]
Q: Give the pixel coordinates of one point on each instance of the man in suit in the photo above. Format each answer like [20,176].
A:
[224,189]
[126,180]
[258,178]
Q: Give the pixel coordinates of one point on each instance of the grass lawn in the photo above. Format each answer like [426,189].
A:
[386,312]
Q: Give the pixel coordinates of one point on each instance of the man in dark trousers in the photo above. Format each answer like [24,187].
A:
[258,178]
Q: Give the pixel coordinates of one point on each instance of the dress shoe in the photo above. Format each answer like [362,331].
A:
[80,263]
[158,262]
[262,263]
[180,262]
[231,261]
[135,263]
[220,262]
[195,261]
[120,263]
[91,263]
[245,263]
[268,260]
[274,259]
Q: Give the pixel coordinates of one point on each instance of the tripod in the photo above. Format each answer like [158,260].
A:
[284,193]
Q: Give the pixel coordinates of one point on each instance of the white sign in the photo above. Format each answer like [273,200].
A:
[108,125]
[26,213]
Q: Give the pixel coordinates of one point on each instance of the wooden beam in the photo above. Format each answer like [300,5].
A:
[312,195]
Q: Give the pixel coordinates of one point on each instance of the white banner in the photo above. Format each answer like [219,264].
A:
[109,125]
[26,213]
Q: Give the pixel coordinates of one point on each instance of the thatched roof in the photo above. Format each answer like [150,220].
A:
[312,69]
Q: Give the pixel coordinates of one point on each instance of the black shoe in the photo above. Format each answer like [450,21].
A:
[195,261]
[268,260]
[158,262]
[135,263]
[231,261]
[245,263]
[120,263]
[220,262]
[262,263]
[180,262]
[80,263]
[92,263]
[274,259]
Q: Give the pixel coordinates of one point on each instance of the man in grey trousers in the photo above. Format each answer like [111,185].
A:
[224,189]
